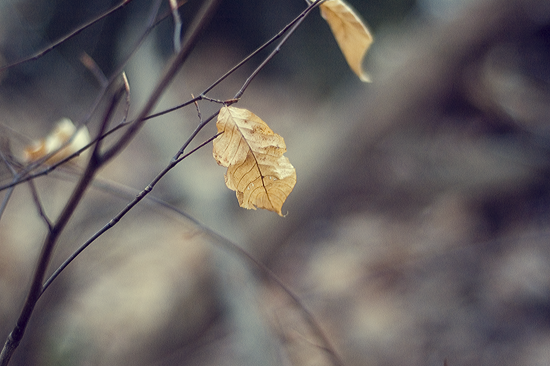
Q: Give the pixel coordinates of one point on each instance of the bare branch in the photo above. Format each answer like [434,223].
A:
[138,198]
[69,36]
[39,206]
[204,16]
[264,46]
[14,338]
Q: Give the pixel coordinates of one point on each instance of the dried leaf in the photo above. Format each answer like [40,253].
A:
[63,131]
[253,154]
[350,32]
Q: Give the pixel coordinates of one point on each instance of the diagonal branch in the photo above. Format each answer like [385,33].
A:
[70,35]
[55,230]
[201,20]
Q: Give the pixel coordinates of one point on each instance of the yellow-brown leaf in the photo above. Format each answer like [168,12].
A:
[63,132]
[350,32]
[253,154]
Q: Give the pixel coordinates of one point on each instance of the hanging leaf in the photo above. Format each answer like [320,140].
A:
[350,32]
[64,130]
[253,154]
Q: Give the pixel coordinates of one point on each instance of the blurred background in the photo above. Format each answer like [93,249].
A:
[418,230]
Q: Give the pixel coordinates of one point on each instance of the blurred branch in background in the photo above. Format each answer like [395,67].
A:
[425,185]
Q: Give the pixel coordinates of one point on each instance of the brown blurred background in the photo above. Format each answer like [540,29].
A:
[417,231]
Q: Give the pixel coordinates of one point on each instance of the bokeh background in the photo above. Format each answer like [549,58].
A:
[418,230]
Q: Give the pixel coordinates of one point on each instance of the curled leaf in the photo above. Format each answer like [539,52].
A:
[64,130]
[350,32]
[253,154]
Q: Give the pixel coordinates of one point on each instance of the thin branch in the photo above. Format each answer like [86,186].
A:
[192,101]
[200,21]
[224,242]
[310,319]
[96,161]
[205,15]
[169,110]
[91,65]
[140,196]
[199,127]
[25,176]
[34,193]
[47,170]
[150,25]
[203,96]
[14,338]
[68,36]
[128,101]
[10,191]
[152,22]
[39,206]
[292,26]
[302,15]
[6,199]
[96,153]
[198,109]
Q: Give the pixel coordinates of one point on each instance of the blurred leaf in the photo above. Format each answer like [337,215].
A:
[253,154]
[64,130]
[350,32]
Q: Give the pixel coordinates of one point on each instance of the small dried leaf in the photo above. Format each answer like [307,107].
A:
[253,154]
[350,32]
[63,131]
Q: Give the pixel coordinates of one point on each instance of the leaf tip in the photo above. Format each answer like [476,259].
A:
[364,77]
[351,33]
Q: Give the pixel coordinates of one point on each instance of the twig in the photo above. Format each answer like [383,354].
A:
[25,176]
[91,65]
[200,21]
[202,96]
[10,191]
[223,241]
[38,204]
[127,105]
[70,35]
[96,161]
[177,25]
[152,22]
[262,47]
[99,158]
[138,198]
[293,26]
[6,199]
[14,338]
[34,193]
[198,109]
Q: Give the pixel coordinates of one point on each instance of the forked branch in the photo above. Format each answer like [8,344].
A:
[97,160]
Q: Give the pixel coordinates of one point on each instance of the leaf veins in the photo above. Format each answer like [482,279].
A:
[253,154]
